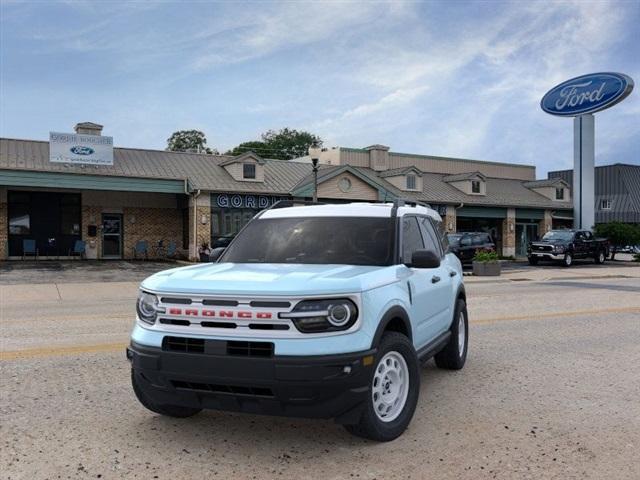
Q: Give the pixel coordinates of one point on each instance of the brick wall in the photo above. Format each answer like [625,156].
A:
[4,242]
[152,225]
[509,233]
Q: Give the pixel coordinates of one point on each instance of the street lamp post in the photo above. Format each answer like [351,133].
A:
[314,153]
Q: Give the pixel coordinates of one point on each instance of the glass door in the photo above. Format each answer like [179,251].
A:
[111,235]
[525,233]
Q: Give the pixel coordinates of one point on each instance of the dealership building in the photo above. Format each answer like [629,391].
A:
[114,198]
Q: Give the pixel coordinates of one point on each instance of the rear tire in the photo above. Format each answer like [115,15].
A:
[454,355]
[393,391]
[166,410]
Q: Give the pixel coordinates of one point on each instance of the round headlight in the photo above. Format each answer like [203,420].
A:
[147,307]
[339,314]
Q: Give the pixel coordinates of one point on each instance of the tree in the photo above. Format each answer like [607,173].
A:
[188,141]
[619,234]
[257,147]
[284,144]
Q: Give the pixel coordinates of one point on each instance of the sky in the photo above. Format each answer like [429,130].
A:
[446,78]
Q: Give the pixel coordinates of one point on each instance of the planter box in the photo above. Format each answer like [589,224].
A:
[486,269]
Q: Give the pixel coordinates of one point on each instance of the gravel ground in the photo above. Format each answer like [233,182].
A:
[550,390]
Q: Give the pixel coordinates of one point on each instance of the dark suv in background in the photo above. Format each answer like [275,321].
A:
[465,244]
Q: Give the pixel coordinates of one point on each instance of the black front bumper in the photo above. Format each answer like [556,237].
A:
[330,386]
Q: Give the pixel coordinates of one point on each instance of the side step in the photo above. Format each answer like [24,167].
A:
[430,349]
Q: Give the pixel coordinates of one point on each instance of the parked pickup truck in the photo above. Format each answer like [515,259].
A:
[322,311]
[565,246]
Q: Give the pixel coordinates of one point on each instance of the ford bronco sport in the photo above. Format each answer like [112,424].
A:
[321,311]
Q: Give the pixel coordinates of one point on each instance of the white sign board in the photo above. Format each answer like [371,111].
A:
[74,148]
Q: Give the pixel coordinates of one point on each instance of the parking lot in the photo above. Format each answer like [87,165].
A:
[551,389]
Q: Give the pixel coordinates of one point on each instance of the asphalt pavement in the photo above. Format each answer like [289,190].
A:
[551,389]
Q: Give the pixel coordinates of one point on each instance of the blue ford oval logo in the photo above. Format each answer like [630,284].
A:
[587,94]
[79,150]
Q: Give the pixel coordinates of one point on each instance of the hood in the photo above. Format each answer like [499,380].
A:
[269,279]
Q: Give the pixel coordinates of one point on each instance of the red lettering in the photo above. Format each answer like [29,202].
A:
[191,311]
[244,314]
[227,314]
[263,315]
[175,311]
[208,313]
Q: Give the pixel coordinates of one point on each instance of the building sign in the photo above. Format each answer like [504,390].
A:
[80,149]
[587,94]
[238,200]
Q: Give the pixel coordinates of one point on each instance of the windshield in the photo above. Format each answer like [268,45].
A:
[315,240]
[558,235]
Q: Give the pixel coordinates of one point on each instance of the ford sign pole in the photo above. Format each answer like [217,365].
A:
[584,171]
[580,97]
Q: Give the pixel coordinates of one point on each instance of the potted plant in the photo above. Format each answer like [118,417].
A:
[486,264]
[204,252]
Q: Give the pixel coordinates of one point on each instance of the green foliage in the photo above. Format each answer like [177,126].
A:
[619,234]
[259,148]
[284,144]
[188,141]
[482,256]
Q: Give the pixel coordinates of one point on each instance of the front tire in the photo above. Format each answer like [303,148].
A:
[454,355]
[600,257]
[393,392]
[567,261]
[533,261]
[166,410]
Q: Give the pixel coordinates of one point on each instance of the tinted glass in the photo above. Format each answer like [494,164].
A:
[558,235]
[478,240]
[315,240]
[411,238]
[454,239]
[249,170]
[430,237]
[465,241]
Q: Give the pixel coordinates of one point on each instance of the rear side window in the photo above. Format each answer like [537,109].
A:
[430,237]
[411,238]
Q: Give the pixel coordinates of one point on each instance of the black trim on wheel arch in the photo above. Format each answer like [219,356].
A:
[393,313]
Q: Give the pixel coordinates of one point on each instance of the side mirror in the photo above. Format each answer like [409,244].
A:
[216,253]
[424,259]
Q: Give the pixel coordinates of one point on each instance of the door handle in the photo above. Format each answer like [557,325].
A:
[435,279]
[453,273]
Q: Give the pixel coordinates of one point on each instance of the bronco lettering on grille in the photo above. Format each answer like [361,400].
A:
[193,312]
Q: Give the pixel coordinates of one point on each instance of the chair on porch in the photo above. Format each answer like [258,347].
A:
[172,249]
[79,248]
[29,248]
[142,249]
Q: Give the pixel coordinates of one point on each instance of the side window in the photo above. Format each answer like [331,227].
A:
[478,239]
[465,241]
[431,241]
[411,238]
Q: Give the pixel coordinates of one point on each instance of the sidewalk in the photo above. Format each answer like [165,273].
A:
[579,271]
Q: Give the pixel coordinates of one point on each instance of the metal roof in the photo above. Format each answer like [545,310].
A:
[281,177]
[463,176]
[201,170]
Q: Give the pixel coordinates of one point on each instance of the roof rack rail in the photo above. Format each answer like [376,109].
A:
[290,202]
[401,202]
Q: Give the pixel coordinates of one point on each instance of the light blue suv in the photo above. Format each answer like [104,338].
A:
[317,310]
